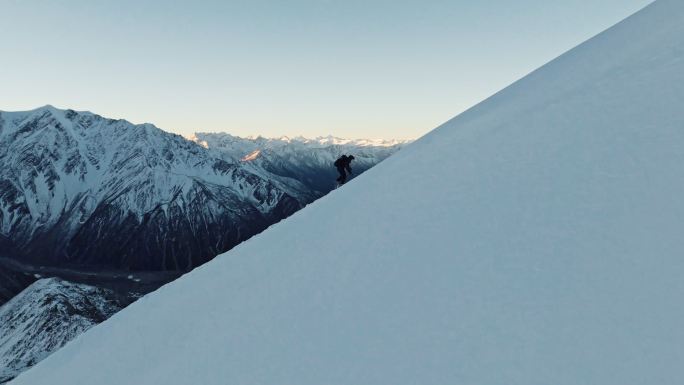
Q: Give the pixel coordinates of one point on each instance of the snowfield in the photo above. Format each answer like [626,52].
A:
[537,238]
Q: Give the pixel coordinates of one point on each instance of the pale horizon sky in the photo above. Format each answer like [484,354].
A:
[353,69]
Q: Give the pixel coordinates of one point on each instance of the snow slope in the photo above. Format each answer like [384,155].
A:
[534,239]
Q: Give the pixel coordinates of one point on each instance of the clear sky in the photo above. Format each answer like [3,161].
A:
[351,68]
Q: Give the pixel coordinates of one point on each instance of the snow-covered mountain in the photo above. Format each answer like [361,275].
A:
[80,189]
[306,161]
[44,317]
[534,239]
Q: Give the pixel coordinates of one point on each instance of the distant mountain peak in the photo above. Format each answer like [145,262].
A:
[329,140]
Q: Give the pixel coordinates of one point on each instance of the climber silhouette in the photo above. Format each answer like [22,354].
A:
[343,165]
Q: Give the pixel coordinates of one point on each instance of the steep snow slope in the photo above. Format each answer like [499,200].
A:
[44,317]
[535,239]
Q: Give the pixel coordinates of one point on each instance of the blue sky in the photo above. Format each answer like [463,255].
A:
[381,69]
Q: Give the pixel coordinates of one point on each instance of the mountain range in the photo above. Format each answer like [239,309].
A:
[77,189]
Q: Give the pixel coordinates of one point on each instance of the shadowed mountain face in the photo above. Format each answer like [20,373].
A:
[47,315]
[12,283]
[77,189]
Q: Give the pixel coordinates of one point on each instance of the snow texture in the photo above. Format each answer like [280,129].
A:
[534,239]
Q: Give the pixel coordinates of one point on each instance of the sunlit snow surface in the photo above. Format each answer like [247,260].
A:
[536,239]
